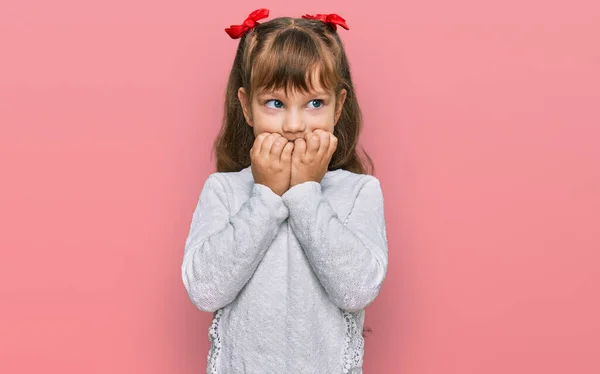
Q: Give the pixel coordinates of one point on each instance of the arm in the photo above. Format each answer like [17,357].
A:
[223,251]
[350,259]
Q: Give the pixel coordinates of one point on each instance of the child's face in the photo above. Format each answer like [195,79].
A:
[294,115]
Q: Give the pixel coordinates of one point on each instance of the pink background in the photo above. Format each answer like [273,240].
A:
[483,119]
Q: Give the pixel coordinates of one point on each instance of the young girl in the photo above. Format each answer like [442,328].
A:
[287,245]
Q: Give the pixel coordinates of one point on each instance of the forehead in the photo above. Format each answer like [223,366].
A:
[313,86]
[295,66]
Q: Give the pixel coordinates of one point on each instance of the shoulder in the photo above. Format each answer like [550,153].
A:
[345,181]
[230,183]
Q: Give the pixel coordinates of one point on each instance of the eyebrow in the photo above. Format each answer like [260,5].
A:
[282,93]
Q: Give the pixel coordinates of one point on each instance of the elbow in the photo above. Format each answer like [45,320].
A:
[199,292]
[205,301]
[356,301]
[359,295]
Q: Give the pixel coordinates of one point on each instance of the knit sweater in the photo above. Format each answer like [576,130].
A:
[288,277]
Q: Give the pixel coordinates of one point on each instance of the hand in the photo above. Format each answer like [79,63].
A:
[270,161]
[311,156]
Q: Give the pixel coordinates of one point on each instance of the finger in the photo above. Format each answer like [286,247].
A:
[258,143]
[265,148]
[312,143]
[299,148]
[324,140]
[278,145]
[286,155]
[332,145]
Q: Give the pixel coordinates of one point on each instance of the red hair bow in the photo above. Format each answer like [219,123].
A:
[236,31]
[332,19]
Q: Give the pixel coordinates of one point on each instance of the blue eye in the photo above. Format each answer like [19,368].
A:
[278,104]
[318,103]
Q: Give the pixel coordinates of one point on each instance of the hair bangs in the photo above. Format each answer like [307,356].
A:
[294,60]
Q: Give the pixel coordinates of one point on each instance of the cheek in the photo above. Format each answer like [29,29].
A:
[265,123]
[324,120]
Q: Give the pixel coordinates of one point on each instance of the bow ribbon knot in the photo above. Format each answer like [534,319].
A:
[332,19]
[236,31]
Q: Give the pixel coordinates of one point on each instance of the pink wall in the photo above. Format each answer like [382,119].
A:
[483,119]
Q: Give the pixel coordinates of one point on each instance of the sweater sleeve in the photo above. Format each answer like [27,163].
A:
[349,258]
[222,251]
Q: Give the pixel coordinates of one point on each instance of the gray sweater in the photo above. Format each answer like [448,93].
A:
[287,278]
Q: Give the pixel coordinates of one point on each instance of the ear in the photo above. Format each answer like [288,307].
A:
[341,99]
[246,107]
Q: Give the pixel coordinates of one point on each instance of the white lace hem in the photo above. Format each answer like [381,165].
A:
[353,344]
[215,343]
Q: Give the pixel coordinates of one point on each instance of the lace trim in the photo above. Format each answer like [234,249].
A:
[215,346]
[353,344]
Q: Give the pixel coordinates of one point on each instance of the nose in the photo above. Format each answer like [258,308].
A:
[293,123]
